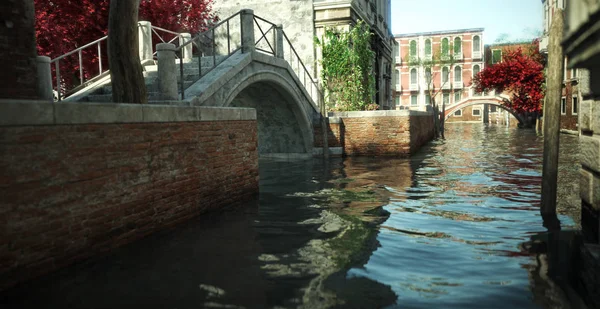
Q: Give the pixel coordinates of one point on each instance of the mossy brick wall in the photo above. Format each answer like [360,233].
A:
[71,191]
[17,47]
[334,134]
[379,133]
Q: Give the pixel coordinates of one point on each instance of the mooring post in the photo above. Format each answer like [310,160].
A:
[552,121]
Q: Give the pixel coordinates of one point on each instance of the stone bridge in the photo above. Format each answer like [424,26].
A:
[491,100]
[255,71]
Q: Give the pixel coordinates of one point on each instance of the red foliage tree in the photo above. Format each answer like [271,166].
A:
[519,74]
[64,25]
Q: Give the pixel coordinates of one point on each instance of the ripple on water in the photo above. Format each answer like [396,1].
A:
[453,240]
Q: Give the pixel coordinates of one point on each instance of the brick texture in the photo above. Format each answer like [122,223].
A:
[17,48]
[379,136]
[71,191]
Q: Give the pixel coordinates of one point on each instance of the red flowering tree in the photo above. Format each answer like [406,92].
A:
[520,74]
[64,25]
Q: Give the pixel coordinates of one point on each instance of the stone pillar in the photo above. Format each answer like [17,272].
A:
[145,40]
[44,73]
[167,71]
[247,29]
[18,77]
[279,41]
[486,113]
[186,53]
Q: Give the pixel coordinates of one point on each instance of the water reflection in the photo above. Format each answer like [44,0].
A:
[454,238]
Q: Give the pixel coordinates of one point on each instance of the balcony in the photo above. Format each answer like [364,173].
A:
[458,56]
[476,55]
[458,85]
[447,86]
[398,59]
[398,87]
[414,87]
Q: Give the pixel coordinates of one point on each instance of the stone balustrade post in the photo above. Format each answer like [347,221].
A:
[186,53]
[44,89]
[247,29]
[279,41]
[167,71]
[145,40]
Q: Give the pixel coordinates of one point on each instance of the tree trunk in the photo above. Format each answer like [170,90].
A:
[552,122]
[123,57]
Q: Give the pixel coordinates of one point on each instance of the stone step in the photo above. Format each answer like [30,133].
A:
[151,86]
[106,98]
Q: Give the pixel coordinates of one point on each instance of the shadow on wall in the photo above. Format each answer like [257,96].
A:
[279,119]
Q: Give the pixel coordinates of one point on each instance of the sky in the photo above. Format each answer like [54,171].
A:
[520,19]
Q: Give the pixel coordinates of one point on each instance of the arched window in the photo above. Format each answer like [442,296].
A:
[457,74]
[445,47]
[445,74]
[457,46]
[413,48]
[476,44]
[413,76]
[428,48]
[476,70]
[397,77]
[428,75]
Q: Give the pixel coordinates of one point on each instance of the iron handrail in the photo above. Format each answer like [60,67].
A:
[313,83]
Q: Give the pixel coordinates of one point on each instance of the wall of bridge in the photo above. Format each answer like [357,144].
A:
[377,133]
[78,179]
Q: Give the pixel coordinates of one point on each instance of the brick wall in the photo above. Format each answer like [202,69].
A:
[334,134]
[73,190]
[379,133]
[17,48]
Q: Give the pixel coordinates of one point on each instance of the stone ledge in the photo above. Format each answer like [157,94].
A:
[386,113]
[23,112]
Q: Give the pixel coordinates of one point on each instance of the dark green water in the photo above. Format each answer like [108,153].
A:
[459,212]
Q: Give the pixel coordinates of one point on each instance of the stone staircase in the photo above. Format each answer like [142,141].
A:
[191,74]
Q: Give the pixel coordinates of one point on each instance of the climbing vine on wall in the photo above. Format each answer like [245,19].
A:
[347,68]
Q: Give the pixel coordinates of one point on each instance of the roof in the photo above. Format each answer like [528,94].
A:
[405,35]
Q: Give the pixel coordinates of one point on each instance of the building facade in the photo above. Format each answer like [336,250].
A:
[569,104]
[456,57]
[302,20]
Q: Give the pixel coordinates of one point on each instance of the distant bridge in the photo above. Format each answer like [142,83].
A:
[478,100]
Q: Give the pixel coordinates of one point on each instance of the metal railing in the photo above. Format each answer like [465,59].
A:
[209,43]
[158,31]
[82,82]
[302,73]
[263,44]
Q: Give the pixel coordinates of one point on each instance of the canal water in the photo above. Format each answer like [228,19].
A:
[447,228]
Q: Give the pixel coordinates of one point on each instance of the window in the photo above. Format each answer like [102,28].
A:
[476,70]
[457,96]
[413,100]
[458,113]
[476,44]
[445,47]
[575,106]
[397,78]
[428,76]
[493,109]
[457,74]
[397,51]
[413,76]
[563,106]
[496,55]
[457,46]
[397,100]
[428,49]
[427,99]
[413,48]
[446,98]
[476,112]
[445,74]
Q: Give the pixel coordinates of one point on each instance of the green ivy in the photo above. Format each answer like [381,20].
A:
[347,68]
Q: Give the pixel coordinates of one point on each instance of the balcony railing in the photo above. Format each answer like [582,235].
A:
[398,59]
[398,87]
[447,85]
[414,87]
[458,85]
[458,56]
[477,55]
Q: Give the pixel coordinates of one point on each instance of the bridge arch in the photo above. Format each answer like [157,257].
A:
[284,116]
[496,101]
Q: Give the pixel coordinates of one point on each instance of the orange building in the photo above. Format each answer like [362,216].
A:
[459,55]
